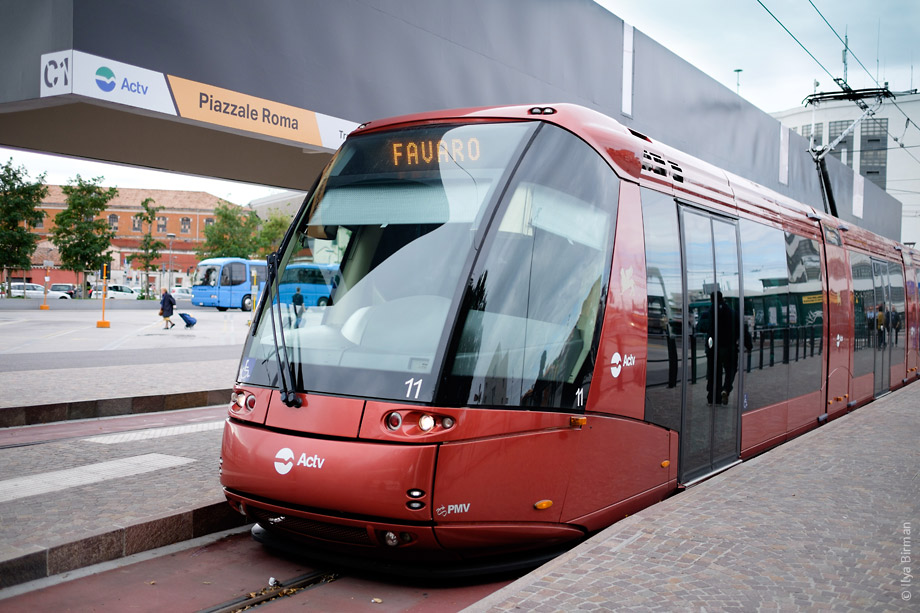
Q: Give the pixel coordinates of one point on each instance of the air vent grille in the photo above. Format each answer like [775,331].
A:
[656,164]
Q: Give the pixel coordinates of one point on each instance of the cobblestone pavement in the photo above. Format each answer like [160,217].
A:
[826,522]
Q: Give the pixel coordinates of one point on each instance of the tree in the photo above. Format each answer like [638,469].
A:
[233,233]
[19,213]
[272,231]
[81,238]
[150,247]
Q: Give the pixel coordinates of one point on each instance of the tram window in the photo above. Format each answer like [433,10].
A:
[864,314]
[806,314]
[664,283]
[765,338]
[530,317]
[896,315]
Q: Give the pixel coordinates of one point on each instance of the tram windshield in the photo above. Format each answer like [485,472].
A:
[396,224]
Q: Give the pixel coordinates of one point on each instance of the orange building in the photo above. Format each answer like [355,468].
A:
[180,227]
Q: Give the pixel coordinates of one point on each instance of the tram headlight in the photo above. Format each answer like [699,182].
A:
[242,401]
[426,423]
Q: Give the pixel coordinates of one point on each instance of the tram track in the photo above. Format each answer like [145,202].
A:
[234,573]
[274,591]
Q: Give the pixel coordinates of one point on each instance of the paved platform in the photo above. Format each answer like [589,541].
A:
[827,522]
[58,365]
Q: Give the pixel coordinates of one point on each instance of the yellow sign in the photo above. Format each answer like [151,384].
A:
[813,299]
[231,109]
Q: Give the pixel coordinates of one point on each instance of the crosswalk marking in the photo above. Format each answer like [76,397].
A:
[44,483]
[143,435]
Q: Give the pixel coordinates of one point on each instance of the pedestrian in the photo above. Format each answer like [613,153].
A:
[297,301]
[167,302]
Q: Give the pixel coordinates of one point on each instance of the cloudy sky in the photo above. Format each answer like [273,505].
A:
[717,36]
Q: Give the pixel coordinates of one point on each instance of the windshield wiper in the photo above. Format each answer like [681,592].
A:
[285,371]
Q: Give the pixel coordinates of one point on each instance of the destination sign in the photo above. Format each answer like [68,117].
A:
[421,153]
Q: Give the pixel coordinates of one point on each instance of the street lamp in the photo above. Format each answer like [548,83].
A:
[170,236]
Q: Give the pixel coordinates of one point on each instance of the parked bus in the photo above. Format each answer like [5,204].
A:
[315,282]
[228,283]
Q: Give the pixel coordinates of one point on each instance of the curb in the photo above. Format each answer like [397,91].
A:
[119,543]
[108,407]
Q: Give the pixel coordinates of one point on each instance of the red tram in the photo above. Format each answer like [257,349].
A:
[539,322]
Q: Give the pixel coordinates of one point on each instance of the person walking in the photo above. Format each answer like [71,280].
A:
[167,303]
[297,301]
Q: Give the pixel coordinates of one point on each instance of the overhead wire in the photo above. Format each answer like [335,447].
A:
[828,72]
[804,48]
[863,66]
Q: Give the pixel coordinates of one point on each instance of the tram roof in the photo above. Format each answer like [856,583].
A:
[651,163]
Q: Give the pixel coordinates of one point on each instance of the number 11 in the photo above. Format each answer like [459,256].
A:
[413,383]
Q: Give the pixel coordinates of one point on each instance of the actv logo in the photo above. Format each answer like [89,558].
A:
[618,363]
[105,79]
[284,461]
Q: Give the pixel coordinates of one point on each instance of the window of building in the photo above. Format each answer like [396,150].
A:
[209,221]
[873,152]
[819,133]
[137,224]
[844,149]
[185,225]
[113,222]
[161,224]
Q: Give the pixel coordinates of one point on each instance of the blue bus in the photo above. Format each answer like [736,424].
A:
[228,283]
[315,282]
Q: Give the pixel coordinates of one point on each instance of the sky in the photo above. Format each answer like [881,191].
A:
[716,36]
[720,36]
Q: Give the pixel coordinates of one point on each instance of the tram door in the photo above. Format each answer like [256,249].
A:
[709,437]
[881,325]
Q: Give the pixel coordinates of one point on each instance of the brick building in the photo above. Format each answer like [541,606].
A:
[180,227]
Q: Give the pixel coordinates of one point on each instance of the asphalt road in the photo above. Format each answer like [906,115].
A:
[10,362]
[62,355]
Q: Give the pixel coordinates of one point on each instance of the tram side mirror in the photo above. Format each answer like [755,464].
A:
[322,232]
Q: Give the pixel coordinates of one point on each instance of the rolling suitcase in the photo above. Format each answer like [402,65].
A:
[188,319]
